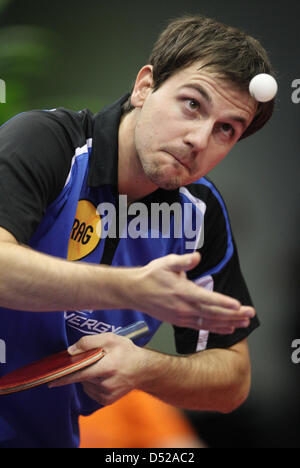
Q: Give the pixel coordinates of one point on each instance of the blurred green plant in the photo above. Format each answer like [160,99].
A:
[26,54]
[3,4]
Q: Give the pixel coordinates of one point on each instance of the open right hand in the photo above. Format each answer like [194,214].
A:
[164,292]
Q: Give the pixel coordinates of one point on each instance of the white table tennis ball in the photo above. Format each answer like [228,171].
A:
[263,87]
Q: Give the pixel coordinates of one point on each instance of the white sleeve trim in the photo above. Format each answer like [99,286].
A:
[206,282]
[84,149]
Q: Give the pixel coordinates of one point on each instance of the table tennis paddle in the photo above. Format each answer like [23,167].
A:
[61,364]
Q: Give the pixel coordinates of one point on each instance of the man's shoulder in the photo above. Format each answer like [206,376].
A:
[205,195]
[205,190]
[76,125]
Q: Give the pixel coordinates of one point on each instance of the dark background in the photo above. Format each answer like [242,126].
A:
[85,55]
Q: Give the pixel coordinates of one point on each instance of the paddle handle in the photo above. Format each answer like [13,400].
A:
[134,331]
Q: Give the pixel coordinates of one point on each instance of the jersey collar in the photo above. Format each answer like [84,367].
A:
[104,156]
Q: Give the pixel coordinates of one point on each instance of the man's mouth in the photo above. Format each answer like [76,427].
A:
[179,160]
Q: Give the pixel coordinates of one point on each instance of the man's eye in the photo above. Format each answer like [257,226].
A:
[228,130]
[192,104]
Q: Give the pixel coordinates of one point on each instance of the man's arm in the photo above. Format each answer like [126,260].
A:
[213,380]
[32,281]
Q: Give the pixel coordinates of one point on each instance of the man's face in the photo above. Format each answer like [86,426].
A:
[186,127]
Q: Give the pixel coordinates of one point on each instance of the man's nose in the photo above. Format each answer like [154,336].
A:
[198,135]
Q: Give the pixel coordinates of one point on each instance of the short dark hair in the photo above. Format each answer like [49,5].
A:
[229,52]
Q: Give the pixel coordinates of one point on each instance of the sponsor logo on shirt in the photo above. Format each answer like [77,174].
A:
[83,321]
[84,237]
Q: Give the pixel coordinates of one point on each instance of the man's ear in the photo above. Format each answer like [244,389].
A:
[143,86]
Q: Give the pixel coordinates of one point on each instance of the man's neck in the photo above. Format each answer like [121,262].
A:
[133,181]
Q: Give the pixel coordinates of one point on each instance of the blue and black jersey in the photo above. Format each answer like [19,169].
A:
[59,195]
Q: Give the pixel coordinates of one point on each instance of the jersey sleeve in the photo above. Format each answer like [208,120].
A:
[35,158]
[219,270]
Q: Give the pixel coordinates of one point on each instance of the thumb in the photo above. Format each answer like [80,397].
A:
[185,262]
[74,349]
[85,344]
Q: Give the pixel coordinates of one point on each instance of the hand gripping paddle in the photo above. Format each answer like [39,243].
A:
[61,364]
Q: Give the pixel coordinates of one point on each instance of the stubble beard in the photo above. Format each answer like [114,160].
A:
[157,175]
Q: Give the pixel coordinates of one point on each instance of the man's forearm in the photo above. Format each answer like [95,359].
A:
[32,281]
[213,380]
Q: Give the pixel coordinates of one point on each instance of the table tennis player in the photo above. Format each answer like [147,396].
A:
[65,281]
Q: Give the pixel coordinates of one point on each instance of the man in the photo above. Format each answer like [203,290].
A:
[61,173]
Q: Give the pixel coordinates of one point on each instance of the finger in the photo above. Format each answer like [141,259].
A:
[103,385]
[212,324]
[89,373]
[76,377]
[93,392]
[201,323]
[223,331]
[186,262]
[220,313]
[197,295]
[249,310]
[98,395]
[90,342]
